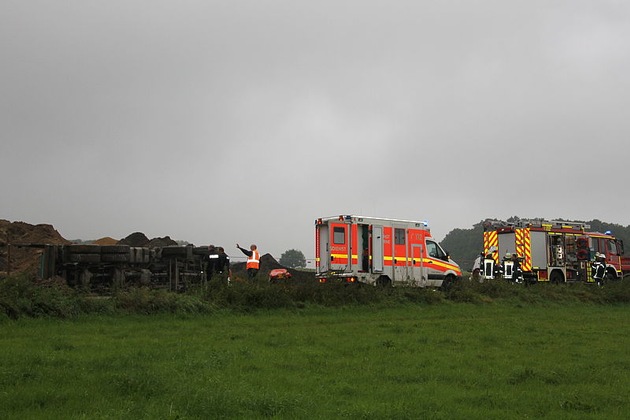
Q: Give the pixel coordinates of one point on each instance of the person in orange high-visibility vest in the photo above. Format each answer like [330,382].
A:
[253,260]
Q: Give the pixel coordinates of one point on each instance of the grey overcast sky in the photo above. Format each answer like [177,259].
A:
[244,120]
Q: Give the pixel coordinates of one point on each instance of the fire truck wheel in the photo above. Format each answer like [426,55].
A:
[556,277]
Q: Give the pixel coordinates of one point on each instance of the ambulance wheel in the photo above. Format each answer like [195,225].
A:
[447,282]
[383,281]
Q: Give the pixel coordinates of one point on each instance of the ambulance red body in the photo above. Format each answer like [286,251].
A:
[380,251]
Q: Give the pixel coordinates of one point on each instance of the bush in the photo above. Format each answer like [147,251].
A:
[143,300]
[22,296]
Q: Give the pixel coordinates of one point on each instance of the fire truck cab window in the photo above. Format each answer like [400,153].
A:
[399,236]
[612,247]
[339,236]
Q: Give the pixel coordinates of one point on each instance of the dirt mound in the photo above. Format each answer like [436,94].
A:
[135,239]
[106,241]
[20,234]
[160,242]
[140,239]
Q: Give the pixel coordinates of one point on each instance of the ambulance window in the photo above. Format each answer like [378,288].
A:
[339,235]
[434,250]
[399,236]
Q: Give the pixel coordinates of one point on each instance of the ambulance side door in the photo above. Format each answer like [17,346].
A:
[418,262]
[377,249]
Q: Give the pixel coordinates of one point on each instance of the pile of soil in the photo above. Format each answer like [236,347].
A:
[25,239]
[140,239]
[106,241]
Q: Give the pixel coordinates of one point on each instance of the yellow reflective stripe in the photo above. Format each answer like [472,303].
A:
[435,262]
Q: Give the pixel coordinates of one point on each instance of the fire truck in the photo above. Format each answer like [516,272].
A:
[549,251]
[379,251]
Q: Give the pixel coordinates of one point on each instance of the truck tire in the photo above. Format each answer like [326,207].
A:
[611,276]
[114,249]
[84,258]
[115,257]
[556,277]
[174,251]
[447,283]
[383,281]
[201,250]
[83,249]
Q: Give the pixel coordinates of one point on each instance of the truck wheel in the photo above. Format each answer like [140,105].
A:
[447,283]
[115,257]
[83,249]
[115,249]
[84,258]
[556,277]
[383,281]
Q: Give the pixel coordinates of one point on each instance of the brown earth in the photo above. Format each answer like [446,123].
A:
[25,239]
[106,241]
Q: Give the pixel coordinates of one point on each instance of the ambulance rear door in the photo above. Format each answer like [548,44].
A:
[339,237]
[322,247]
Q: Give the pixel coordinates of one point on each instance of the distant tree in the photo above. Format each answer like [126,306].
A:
[293,259]
[464,245]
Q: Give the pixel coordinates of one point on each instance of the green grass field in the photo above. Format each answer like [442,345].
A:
[451,360]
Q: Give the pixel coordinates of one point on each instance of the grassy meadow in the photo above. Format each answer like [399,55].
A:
[491,359]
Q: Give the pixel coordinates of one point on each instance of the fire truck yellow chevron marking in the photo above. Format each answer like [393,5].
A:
[491,239]
[524,247]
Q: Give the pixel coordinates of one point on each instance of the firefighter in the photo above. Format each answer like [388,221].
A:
[477,269]
[222,265]
[253,260]
[211,262]
[599,268]
[517,271]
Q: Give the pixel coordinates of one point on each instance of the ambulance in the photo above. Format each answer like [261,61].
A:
[380,251]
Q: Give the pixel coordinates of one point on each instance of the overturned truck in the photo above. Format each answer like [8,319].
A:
[102,267]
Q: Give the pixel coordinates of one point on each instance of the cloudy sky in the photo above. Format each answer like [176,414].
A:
[243,121]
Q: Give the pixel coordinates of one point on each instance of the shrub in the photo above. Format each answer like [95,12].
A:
[143,300]
[21,296]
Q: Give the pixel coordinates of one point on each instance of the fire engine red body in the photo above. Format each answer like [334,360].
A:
[555,251]
[380,251]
